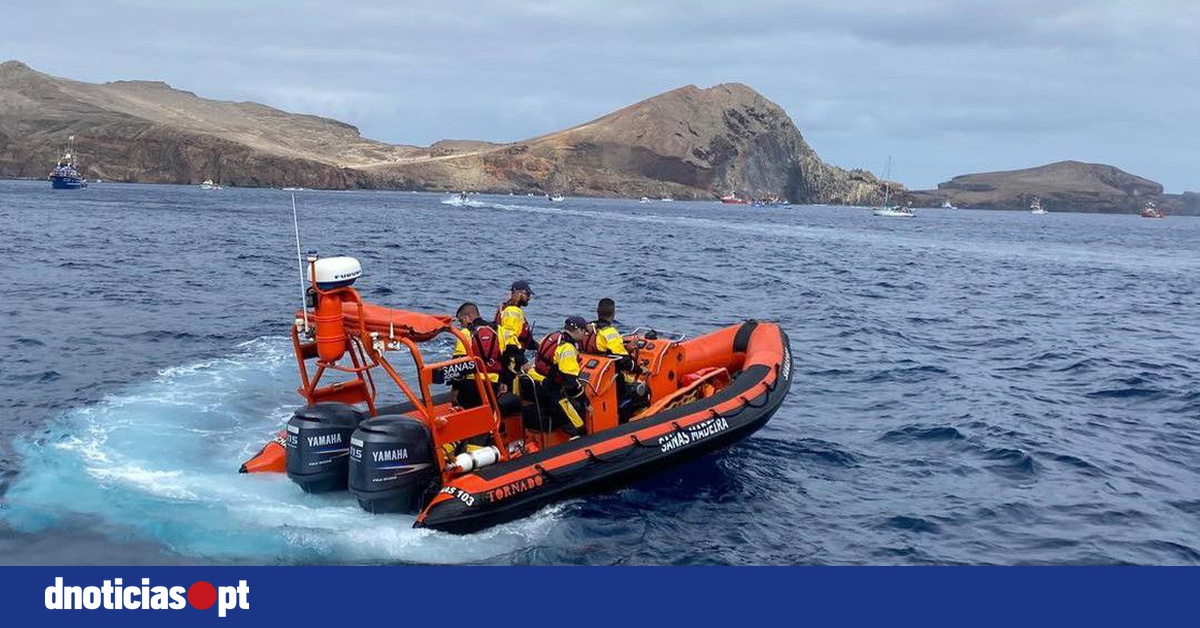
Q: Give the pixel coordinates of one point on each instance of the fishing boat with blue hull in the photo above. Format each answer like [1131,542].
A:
[462,469]
[65,175]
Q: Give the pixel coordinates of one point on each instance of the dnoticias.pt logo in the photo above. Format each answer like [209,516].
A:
[115,595]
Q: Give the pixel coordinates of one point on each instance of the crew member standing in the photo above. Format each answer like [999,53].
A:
[515,334]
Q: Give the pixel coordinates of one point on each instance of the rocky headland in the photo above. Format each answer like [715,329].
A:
[1065,186]
[689,143]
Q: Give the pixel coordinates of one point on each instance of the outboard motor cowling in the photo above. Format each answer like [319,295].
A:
[318,445]
[392,464]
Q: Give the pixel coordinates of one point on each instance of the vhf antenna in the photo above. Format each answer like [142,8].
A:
[300,263]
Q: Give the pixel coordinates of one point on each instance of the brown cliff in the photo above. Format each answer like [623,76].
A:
[689,143]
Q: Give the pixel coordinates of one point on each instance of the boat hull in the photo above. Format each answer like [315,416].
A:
[519,487]
[67,183]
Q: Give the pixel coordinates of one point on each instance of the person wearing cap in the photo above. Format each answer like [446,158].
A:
[556,369]
[516,337]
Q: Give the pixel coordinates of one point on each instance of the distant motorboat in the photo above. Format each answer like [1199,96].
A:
[893,211]
[667,199]
[770,201]
[1150,211]
[556,198]
[209,185]
[462,199]
[948,205]
[294,189]
[644,199]
[65,175]
[733,199]
[1036,207]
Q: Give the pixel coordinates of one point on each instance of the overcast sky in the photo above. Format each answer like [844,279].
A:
[946,87]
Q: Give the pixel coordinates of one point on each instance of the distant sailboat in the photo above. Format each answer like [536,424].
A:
[888,210]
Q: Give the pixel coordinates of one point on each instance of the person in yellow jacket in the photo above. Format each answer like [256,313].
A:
[607,340]
[516,336]
[602,337]
[560,397]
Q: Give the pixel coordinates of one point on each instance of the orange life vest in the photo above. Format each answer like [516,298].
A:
[543,362]
[486,342]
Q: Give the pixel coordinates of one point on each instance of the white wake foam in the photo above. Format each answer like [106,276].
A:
[160,461]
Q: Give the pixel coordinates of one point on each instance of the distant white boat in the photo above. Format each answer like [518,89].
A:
[556,198]
[294,189]
[948,205]
[644,199]
[209,185]
[667,199]
[462,199]
[1036,206]
[893,211]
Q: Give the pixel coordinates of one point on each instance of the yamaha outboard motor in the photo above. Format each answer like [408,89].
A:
[318,445]
[392,464]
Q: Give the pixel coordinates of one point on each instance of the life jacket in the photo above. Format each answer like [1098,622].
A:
[486,342]
[588,344]
[543,362]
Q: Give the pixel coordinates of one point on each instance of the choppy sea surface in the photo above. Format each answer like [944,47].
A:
[971,387]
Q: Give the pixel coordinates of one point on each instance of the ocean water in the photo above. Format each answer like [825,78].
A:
[971,387]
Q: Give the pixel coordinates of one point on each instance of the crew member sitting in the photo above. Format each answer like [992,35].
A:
[485,343]
[603,338]
[559,395]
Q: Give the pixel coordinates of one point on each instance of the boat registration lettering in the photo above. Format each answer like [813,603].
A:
[460,494]
[691,434]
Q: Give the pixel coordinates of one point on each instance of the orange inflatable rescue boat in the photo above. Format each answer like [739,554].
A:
[464,469]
